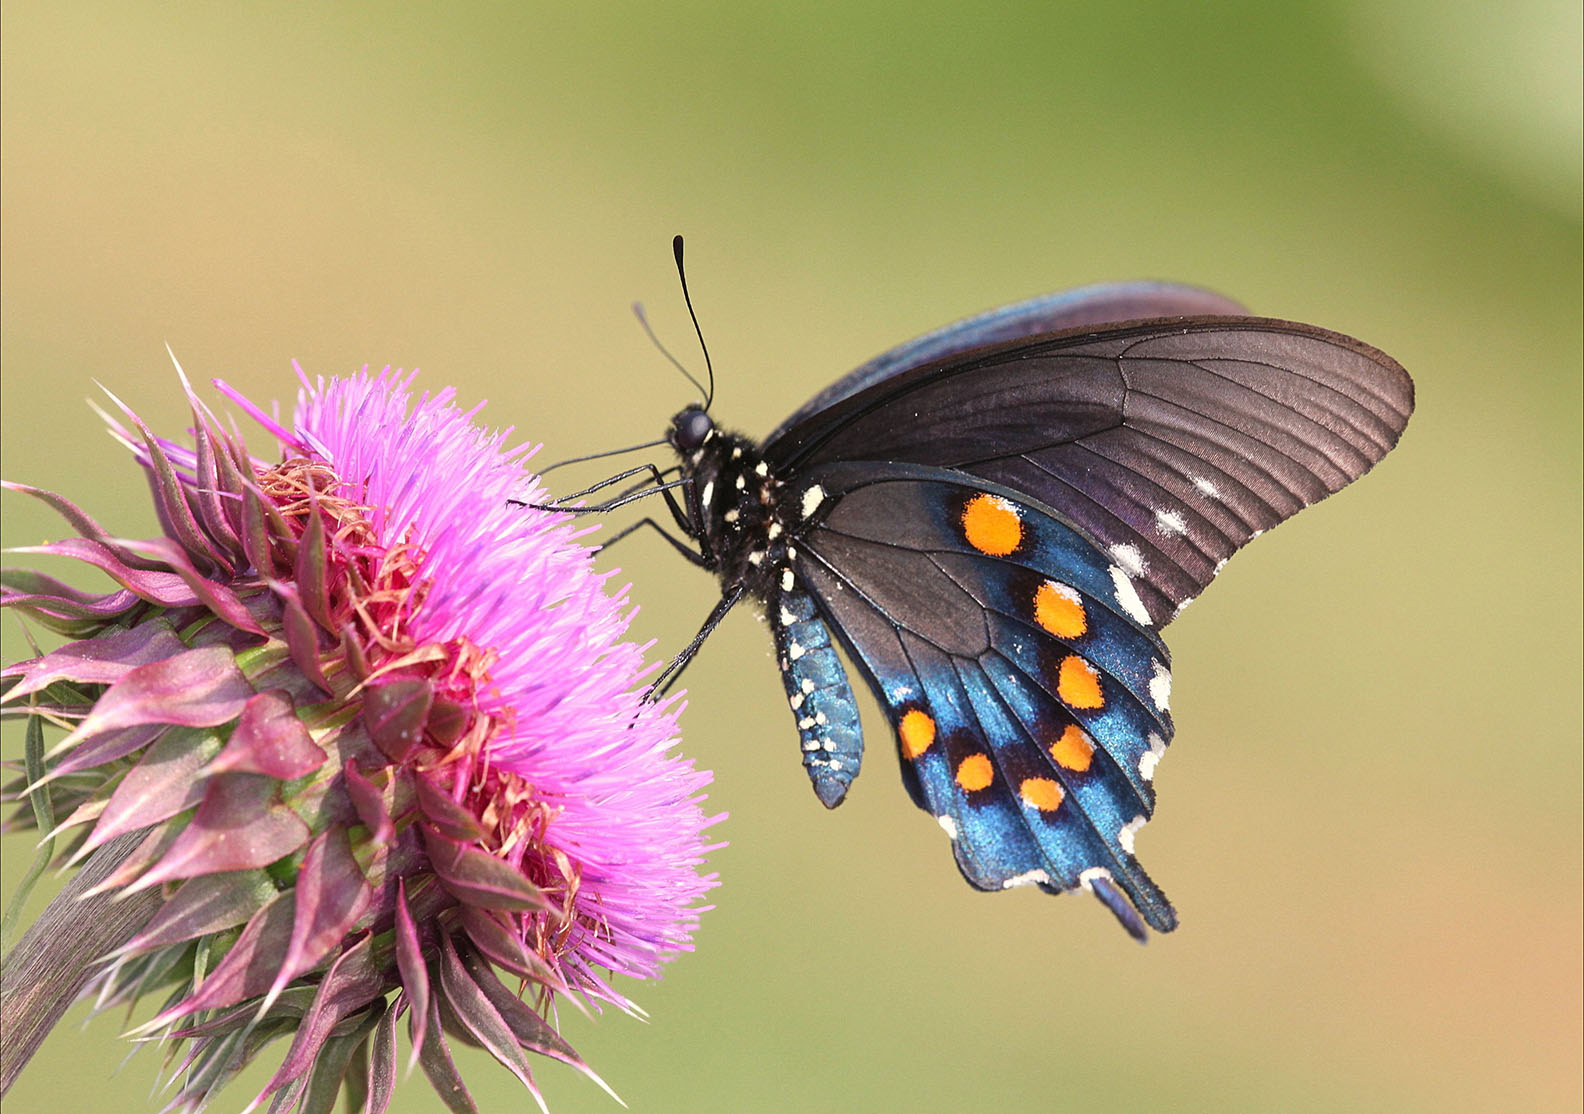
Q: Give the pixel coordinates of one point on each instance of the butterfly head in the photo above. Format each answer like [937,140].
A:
[689,430]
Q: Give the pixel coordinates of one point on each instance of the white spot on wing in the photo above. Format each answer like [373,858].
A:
[796,700]
[948,825]
[786,580]
[1170,523]
[1206,487]
[1129,831]
[1127,597]
[1151,758]
[1129,558]
[812,498]
[787,618]
[795,651]
[1031,878]
[1160,686]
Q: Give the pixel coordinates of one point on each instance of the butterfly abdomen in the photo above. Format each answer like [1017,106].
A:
[820,696]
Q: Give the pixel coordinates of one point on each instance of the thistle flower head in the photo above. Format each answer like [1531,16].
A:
[361,733]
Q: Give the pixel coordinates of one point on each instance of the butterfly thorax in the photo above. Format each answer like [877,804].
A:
[734,502]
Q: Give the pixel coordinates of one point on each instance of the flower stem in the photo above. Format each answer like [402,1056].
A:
[43,974]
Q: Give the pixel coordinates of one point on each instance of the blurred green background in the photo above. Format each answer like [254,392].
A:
[1370,820]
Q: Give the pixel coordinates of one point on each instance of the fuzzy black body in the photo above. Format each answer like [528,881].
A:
[736,508]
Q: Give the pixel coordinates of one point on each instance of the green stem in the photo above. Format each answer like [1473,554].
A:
[51,964]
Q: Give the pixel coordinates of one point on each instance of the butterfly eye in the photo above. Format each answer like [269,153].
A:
[690,428]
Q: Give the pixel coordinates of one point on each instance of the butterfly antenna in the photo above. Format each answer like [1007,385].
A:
[597,456]
[676,249]
[643,319]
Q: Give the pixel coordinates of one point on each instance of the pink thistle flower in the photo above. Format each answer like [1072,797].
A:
[358,735]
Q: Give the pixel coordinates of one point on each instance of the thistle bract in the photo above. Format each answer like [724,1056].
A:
[361,735]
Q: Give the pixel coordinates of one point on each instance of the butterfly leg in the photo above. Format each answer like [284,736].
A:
[678,544]
[668,676]
[654,472]
[662,487]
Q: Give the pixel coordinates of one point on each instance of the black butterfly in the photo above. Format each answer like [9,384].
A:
[996,519]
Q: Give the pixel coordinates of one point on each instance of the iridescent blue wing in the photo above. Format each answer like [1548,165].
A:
[1172,443]
[1049,313]
[1029,705]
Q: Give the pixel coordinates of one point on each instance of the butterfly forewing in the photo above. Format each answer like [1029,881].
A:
[1172,443]
[1048,313]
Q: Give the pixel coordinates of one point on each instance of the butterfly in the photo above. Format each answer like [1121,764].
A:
[995,521]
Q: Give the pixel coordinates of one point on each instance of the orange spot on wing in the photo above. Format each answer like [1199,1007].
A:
[917,732]
[1059,609]
[991,525]
[975,772]
[1078,684]
[1043,793]
[1073,750]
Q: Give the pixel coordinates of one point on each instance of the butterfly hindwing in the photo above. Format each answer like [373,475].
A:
[1029,707]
